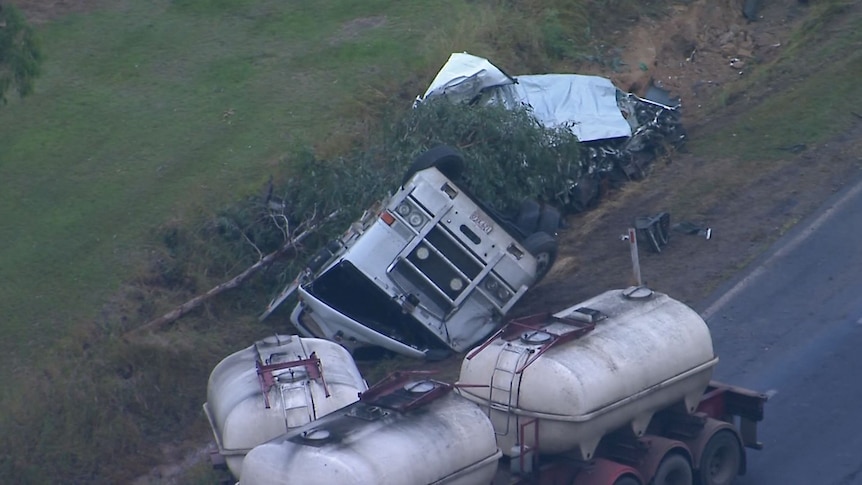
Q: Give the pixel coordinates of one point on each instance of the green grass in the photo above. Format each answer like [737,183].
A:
[146,111]
[805,96]
[157,114]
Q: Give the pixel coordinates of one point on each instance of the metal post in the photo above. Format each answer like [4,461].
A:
[636,265]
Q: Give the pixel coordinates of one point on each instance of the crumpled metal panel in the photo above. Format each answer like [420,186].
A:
[587,105]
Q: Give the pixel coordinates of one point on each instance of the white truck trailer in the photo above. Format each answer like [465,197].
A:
[277,384]
[613,391]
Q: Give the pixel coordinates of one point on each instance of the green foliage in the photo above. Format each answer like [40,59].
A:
[509,155]
[20,54]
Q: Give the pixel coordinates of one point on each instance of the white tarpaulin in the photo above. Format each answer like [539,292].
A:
[586,105]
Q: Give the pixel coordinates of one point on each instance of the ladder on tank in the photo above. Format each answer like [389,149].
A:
[297,391]
[512,360]
[503,388]
[506,387]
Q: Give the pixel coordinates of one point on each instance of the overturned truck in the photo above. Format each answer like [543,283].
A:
[430,270]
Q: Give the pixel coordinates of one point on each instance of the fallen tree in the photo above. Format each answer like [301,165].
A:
[263,262]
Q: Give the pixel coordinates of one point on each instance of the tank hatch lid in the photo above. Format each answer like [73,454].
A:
[334,427]
[403,391]
[545,330]
[637,293]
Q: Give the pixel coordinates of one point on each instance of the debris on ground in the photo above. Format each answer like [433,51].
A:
[655,230]
[620,130]
[686,227]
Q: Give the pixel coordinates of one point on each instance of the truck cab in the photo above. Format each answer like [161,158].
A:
[427,271]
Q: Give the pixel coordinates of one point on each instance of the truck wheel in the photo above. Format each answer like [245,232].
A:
[673,470]
[323,255]
[442,157]
[528,216]
[549,221]
[543,247]
[721,459]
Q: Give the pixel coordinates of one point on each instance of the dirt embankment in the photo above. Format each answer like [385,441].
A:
[702,47]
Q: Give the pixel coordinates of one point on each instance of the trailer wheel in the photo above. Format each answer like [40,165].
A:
[442,157]
[627,480]
[674,469]
[720,461]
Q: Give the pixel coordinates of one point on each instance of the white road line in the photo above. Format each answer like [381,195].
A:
[790,246]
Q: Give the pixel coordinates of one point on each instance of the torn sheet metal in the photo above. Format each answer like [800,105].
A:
[464,77]
[587,105]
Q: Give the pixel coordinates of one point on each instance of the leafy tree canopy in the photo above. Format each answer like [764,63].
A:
[20,55]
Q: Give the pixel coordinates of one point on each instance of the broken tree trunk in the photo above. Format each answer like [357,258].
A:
[234,282]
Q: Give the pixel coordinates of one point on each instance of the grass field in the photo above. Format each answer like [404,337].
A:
[147,112]
[155,113]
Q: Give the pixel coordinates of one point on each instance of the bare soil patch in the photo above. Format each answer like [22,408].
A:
[701,47]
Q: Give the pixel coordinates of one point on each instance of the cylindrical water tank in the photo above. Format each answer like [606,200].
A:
[448,440]
[609,362]
[243,416]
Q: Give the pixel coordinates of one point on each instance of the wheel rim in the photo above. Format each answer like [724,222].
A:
[721,459]
[542,262]
[720,465]
[673,470]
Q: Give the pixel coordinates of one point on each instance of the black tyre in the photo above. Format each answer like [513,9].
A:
[323,255]
[549,220]
[721,459]
[528,216]
[674,469]
[627,480]
[444,158]
[543,247]
[751,9]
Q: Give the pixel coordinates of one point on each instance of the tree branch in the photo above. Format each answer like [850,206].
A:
[234,282]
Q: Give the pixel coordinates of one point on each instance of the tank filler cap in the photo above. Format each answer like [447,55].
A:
[536,337]
[637,293]
[419,387]
[316,434]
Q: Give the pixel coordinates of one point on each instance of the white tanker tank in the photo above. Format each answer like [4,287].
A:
[277,384]
[610,362]
[402,431]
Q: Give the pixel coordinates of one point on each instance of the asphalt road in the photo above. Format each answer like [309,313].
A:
[792,327]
